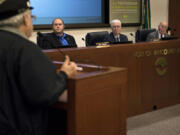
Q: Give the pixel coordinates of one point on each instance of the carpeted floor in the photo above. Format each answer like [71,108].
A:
[161,122]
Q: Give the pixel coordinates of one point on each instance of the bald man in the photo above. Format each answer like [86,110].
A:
[58,39]
[160,33]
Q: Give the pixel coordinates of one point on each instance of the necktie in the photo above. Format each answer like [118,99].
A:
[63,40]
[117,39]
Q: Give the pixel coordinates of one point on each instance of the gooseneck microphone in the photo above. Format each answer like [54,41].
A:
[42,36]
[171,31]
[80,66]
[59,50]
[83,39]
[132,35]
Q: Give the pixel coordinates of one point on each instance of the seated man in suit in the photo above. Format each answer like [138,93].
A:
[160,33]
[115,35]
[58,39]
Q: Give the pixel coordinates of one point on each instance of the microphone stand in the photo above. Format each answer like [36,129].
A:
[79,68]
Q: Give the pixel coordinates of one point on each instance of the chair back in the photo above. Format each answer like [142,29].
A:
[95,37]
[141,34]
[40,38]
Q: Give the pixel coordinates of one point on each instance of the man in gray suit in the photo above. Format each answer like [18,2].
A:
[160,33]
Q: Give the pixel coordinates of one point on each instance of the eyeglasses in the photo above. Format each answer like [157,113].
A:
[116,27]
[33,17]
[162,26]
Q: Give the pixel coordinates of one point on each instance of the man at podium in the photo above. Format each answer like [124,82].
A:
[29,82]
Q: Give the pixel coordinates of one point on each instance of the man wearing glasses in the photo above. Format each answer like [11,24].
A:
[115,36]
[29,81]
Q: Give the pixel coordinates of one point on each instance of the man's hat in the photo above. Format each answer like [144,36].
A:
[9,8]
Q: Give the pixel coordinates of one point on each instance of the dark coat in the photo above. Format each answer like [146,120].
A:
[110,38]
[51,41]
[28,84]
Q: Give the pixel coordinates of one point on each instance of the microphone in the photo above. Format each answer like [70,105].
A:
[169,28]
[132,35]
[83,39]
[171,31]
[43,36]
[79,68]
[61,52]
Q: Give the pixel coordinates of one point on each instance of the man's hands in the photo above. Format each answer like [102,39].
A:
[70,68]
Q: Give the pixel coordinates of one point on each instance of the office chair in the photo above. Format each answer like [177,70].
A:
[40,38]
[95,37]
[141,34]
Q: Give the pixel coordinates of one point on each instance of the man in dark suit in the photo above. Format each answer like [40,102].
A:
[160,33]
[58,39]
[115,36]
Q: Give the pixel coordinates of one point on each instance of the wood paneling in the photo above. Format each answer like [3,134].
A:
[174,19]
[146,89]
[96,104]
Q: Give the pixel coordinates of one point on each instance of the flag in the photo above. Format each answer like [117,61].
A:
[146,15]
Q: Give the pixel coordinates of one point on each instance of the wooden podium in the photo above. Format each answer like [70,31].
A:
[96,103]
[153,70]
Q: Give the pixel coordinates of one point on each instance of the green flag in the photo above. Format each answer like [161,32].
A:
[147,14]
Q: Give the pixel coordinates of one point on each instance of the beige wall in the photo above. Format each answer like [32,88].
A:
[81,33]
[159,12]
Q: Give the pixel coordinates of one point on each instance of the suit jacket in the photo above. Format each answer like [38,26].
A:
[110,38]
[51,41]
[155,35]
